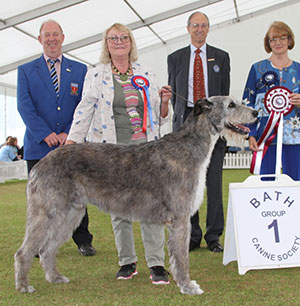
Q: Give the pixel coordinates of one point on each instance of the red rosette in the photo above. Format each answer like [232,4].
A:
[278,104]
[277,100]
[139,82]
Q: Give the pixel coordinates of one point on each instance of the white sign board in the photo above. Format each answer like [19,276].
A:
[263,224]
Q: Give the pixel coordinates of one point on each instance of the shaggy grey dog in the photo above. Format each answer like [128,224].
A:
[159,182]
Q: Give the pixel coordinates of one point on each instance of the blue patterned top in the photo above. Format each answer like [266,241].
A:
[262,77]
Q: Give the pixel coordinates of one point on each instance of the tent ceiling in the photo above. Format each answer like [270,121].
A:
[83,21]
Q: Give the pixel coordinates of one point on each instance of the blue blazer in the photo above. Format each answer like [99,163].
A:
[39,107]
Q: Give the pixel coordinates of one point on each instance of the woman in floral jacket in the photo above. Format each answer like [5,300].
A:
[114,109]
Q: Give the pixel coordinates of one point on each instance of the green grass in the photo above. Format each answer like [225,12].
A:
[92,278]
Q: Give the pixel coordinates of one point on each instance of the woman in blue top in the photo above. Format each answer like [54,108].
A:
[277,70]
[9,151]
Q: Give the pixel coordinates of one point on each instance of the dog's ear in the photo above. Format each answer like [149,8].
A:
[202,105]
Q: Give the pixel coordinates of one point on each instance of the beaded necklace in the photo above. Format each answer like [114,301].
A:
[123,76]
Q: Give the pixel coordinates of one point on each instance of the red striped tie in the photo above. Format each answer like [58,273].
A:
[199,87]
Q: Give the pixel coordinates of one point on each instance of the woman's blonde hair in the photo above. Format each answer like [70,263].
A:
[279,28]
[105,57]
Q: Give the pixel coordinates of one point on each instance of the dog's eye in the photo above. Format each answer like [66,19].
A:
[231,105]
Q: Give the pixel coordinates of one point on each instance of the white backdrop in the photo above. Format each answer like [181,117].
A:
[243,41]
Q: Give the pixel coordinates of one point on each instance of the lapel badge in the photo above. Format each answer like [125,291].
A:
[210,59]
[74,89]
[68,70]
[216,68]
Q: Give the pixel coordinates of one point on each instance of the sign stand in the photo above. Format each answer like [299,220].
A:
[262,230]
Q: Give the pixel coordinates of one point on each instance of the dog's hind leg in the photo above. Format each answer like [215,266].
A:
[34,237]
[60,230]
[45,232]
[48,262]
[23,261]
[178,246]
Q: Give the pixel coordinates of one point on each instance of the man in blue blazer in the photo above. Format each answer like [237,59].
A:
[216,70]
[48,113]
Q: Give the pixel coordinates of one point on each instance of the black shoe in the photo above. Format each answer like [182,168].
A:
[159,275]
[194,245]
[87,250]
[127,271]
[215,246]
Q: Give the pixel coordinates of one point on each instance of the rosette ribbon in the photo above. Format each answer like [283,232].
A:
[277,104]
[143,84]
[270,78]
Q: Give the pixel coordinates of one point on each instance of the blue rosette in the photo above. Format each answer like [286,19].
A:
[270,79]
[141,83]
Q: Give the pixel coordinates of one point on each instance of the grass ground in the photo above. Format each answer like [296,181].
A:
[92,278]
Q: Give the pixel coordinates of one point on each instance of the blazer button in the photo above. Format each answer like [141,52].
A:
[58,108]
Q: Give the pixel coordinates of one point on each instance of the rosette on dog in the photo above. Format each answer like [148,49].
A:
[141,83]
[278,105]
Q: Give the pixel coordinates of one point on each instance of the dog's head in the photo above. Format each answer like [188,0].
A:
[226,115]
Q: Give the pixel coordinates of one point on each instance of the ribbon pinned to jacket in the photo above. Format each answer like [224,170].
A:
[278,105]
[143,84]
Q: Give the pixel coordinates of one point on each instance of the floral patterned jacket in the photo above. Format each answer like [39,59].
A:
[94,119]
[262,77]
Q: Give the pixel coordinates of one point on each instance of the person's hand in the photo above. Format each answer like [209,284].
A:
[295,99]
[62,138]
[52,140]
[165,93]
[70,142]
[253,144]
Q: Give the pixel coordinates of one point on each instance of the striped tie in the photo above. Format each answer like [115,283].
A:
[53,75]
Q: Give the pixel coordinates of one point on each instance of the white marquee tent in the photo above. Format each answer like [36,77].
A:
[238,26]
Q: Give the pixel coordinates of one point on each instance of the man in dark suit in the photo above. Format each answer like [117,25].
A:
[216,72]
[47,97]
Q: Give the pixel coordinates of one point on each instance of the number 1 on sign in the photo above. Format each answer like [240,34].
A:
[274,224]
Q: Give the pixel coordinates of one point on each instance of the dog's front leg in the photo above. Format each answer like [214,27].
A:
[178,246]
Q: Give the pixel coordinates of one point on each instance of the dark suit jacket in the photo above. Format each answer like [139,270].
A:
[218,69]
[39,107]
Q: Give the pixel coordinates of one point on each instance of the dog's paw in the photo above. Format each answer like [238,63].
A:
[26,289]
[193,288]
[197,287]
[58,279]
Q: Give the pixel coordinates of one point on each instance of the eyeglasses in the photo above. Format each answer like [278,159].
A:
[275,39]
[115,39]
[203,26]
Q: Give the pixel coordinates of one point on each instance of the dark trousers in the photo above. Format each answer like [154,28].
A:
[81,235]
[214,215]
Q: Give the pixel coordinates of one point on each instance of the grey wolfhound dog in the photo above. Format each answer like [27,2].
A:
[160,182]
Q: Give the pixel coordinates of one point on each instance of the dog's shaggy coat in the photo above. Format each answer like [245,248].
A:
[159,182]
